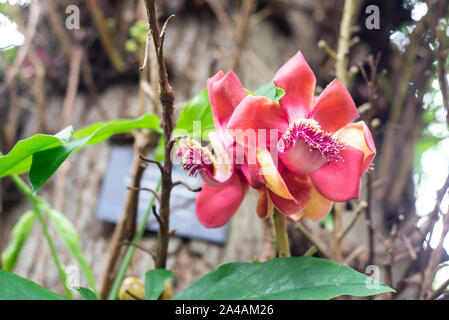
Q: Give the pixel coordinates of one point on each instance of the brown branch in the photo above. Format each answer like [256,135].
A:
[149,251]
[312,240]
[186,186]
[350,11]
[125,228]
[228,25]
[242,33]
[64,39]
[159,165]
[105,38]
[167,98]
[72,85]
[335,251]
[441,58]
[439,291]
[391,250]
[158,197]
[33,20]
[362,206]
[38,89]
[434,261]
[156,215]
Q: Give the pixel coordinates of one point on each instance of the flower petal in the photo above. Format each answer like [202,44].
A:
[340,180]
[251,171]
[359,136]
[225,93]
[273,179]
[300,158]
[318,206]
[299,186]
[334,108]
[316,209]
[256,118]
[298,82]
[264,204]
[215,205]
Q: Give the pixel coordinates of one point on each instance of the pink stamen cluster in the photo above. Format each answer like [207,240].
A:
[315,138]
[195,158]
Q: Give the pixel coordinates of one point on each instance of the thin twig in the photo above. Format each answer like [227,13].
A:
[186,186]
[242,33]
[149,251]
[312,240]
[441,58]
[156,215]
[362,206]
[159,165]
[158,197]
[125,228]
[349,13]
[322,44]
[439,291]
[107,42]
[391,250]
[310,252]
[147,47]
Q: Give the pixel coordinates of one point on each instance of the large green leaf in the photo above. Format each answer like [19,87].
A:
[101,131]
[46,162]
[155,282]
[18,160]
[194,120]
[70,236]
[298,278]
[19,233]
[14,287]
[196,110]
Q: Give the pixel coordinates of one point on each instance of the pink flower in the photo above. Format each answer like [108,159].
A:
[224,184]
[322,154]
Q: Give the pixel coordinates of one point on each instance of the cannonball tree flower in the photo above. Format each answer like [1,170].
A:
[225,181]
[322,154]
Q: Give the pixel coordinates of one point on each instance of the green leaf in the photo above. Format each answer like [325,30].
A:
[270,90]
[46,162]
[101,131]
[155,282]
[14,287]
[19,233]
[65,134]
[196,118]
[71,238]
[87,294]
[298,278]
[159,152]
[18,160]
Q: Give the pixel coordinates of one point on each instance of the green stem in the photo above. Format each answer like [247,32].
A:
[36,201]
[54,254]
[280,225]
[131,249]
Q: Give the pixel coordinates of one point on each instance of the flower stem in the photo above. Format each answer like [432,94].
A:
[280,225]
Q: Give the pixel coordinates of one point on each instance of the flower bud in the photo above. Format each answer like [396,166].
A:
[132,288]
